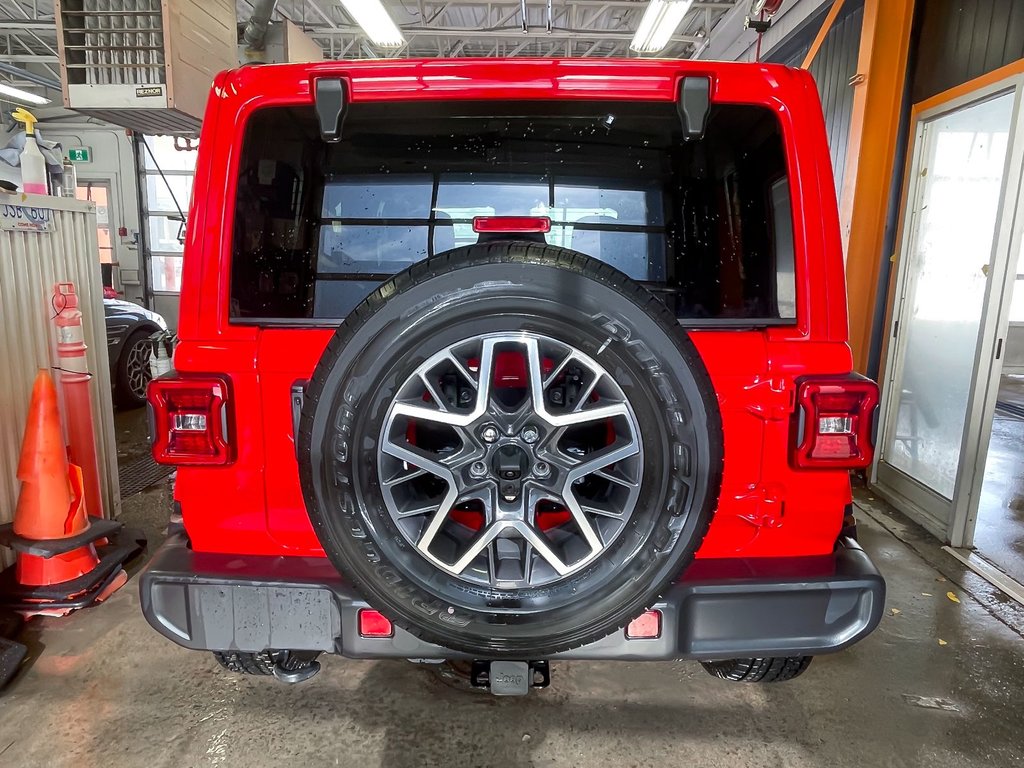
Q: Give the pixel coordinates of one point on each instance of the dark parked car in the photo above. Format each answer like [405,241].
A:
[129,327]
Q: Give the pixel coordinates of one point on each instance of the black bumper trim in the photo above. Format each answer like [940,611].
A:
[720,609]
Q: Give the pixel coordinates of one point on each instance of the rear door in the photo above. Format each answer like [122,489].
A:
[705,225]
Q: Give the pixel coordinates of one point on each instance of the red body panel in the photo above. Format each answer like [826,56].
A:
[767,509]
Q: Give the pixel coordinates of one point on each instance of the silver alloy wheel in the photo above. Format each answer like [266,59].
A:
[535,502]
[136,366]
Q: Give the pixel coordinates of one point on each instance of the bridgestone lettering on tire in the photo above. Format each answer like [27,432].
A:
[511,450]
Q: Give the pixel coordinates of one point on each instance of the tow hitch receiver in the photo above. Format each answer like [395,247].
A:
[510,678]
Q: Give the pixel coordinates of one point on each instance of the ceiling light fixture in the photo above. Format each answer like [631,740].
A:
[658,23]
[22,96]
[374,20]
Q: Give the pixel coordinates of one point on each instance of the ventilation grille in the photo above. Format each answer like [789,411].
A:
[113,42]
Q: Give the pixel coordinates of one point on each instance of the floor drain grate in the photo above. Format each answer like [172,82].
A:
[141,474]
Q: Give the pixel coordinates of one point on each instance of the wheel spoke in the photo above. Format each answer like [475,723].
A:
[535,376]
[485,375]
[583,522]
[483,539]
[403,477]
[463,370]
[419,459]
[557,370]
[443,509]
[601,459]
[594,508]
[599,413]
[617,477]
[434,394]
[586,393]
[429,414]
[421,510]
[540,545]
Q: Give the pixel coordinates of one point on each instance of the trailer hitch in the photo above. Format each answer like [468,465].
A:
[510,678]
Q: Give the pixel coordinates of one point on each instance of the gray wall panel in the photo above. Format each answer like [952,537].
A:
[832,69]
[960,40]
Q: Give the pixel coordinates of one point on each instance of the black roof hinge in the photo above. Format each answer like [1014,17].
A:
[331,106]
[694,104]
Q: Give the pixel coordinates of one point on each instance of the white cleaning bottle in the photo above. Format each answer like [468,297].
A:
[33,164]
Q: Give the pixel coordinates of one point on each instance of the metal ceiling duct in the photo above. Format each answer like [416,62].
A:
[255,34]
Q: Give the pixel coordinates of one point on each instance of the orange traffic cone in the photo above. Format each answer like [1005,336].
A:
[58,568]
[51,505]
[47,507]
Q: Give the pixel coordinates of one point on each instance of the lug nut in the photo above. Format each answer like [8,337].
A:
[489,433]
[541,469]
[477,469]
[530,434]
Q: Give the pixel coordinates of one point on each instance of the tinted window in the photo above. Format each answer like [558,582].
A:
[705,224]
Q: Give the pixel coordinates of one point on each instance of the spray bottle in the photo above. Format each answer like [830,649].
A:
[33,164]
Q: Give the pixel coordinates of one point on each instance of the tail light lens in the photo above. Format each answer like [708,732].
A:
[374,624]
[189,420]
[646,626]
[834,425]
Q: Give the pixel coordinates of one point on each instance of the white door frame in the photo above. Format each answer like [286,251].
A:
[954,520]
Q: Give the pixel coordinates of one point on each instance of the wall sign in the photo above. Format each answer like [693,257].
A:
[25,218]
[80,154]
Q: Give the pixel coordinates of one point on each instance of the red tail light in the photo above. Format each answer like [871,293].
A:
[512,224]
[374,624]
[189,421]
[834,425]
[646,626]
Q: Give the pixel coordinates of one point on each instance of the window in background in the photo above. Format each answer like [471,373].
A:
[99,192]
[1017,302]
[167,168]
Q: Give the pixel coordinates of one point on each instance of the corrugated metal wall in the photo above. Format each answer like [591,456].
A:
[832,68]
[959,41]
[30,263]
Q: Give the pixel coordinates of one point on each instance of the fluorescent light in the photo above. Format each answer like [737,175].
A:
[23,96]
[658,24]
[373,18]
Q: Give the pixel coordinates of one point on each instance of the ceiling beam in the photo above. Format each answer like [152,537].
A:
[29,58]
[507,32]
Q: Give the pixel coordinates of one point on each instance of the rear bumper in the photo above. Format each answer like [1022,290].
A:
[720,609]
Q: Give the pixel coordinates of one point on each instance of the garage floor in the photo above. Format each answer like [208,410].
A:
[941,683]
[999,535]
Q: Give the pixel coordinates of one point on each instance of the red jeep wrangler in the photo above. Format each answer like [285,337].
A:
[499,362]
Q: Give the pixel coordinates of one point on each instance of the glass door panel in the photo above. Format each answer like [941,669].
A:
[961,163]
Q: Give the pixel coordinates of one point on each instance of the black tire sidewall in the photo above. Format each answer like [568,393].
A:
[511,288]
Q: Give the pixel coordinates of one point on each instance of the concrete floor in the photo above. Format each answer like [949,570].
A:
[941,683]
[999,534]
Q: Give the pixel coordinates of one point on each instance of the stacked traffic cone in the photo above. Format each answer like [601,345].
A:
[58,568]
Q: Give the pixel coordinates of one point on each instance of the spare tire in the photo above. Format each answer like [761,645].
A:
[510,449]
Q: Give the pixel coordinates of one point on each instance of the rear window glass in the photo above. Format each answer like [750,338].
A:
[705,224]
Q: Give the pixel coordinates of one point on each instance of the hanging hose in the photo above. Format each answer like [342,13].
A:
[255,34]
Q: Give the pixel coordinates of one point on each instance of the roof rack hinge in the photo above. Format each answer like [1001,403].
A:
[331,105]
[694,104]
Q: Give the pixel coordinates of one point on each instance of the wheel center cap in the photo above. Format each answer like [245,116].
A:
[509,464]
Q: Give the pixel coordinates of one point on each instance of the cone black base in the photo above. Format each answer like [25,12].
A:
[76,593]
